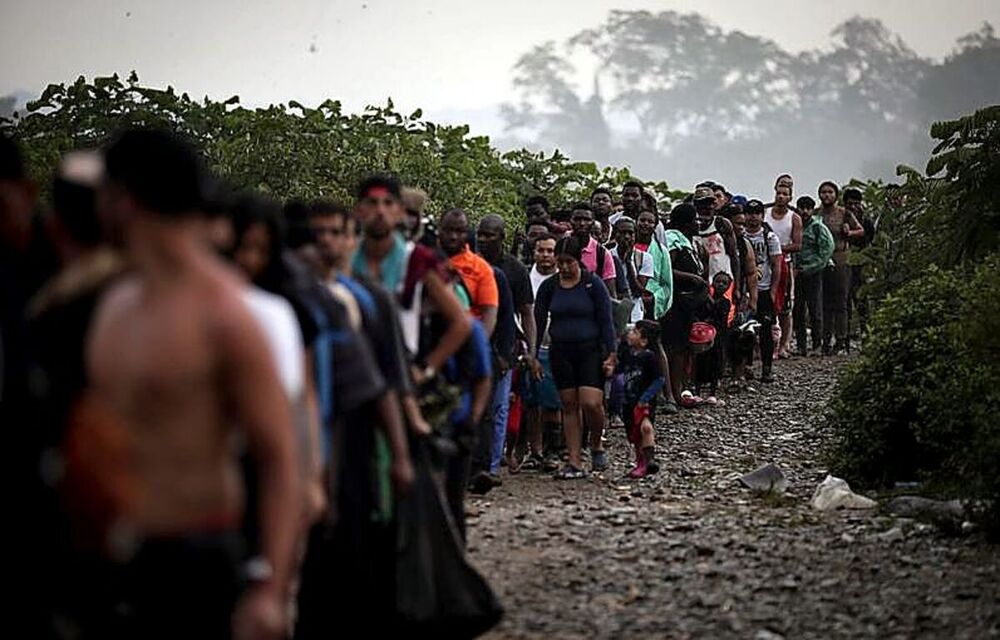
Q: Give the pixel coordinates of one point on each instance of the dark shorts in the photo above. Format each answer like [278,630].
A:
[577,364]
[176,587]
[675,329]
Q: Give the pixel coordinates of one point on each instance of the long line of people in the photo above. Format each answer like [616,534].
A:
[234,405]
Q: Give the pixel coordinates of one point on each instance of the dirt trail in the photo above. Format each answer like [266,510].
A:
[689,553]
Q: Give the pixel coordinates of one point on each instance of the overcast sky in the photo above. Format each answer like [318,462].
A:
[451,57]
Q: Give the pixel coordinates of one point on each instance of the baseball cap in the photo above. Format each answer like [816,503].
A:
[703,193]
[754,205]
[739,200]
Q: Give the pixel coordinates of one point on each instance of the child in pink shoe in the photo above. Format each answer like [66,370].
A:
[640,363]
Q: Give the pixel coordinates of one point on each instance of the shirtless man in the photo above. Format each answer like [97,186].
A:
[180,367]
[787,224]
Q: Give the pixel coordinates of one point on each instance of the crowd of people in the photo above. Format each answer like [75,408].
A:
[259,418]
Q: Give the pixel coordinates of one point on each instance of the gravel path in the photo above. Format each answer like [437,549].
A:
[690,554]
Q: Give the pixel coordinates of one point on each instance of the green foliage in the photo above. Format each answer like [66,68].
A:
[294,151]
[922,401]
[946,218]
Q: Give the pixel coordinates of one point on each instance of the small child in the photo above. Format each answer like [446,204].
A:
[642,368]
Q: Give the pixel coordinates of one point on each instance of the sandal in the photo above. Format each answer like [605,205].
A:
[569,472]
[599,460]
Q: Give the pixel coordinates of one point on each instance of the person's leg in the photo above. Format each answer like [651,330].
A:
[802,283]
[829,306]
[571,425]
[501,408]
[456,479]
[765,311]
[815,302]
[648,445]
[668,390]
[786,313]
[592,407]
[842,282]
[482,450]
[677,360]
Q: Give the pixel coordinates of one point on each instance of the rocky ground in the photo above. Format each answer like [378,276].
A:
[691,554]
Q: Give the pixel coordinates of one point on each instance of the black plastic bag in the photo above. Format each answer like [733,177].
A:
[437,591]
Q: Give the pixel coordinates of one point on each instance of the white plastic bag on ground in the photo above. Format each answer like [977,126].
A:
[835,493]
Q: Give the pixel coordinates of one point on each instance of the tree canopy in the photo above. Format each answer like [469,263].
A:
[675,93]
[294,151]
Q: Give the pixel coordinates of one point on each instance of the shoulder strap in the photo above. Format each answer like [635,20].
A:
[602,255]
[767,231]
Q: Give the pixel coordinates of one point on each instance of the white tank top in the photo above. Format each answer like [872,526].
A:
[782,228]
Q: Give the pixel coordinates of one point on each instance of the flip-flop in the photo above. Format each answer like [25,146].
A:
[569,472]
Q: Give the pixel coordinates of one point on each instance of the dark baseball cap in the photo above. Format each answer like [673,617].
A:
[754,206]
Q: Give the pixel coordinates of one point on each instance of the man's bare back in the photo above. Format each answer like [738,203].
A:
[157,362]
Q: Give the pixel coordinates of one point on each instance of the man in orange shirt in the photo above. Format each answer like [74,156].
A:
[477,274]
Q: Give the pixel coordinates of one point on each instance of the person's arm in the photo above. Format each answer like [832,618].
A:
[729,240]
[542,303]
[856,230]
[826,245]
[487,298]
[751,280]
[795,244]
[315,494]
[612,286]
[659,379]
[776,283]
[480,398]
[391,424]
[450,308]
[260,408]
[610,275]
[602,310]
[482,374]
[527,312]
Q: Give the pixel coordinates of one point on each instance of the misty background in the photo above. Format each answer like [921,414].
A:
[679,91]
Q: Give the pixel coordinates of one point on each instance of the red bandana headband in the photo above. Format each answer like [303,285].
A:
[377,192]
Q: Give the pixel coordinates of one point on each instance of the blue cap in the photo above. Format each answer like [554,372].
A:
[739,200]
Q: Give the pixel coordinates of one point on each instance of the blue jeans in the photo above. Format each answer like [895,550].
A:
[501,410]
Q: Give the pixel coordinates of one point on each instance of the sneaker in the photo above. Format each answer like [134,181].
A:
[689,400]
[495,479]
[767,377]
[638,471]
[652,466]
[616,422]
[481,484]
[670,407]
[569,472]
[598,460]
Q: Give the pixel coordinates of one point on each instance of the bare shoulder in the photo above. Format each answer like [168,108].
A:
[119,300]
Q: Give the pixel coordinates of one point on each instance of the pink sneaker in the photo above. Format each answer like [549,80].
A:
[639,471]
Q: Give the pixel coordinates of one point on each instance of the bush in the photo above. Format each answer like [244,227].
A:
[293,151]
[922,401]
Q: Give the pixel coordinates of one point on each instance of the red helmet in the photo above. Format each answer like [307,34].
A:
[702,337]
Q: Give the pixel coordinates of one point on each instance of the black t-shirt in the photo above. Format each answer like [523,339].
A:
[381,326]
[640,370]
[519,281]
[504,334]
